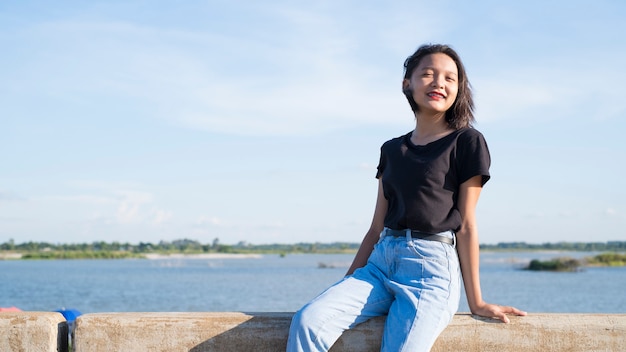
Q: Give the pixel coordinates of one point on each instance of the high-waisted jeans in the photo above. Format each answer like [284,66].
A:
[415,282]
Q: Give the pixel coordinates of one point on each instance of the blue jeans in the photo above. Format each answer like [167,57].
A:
[415,282]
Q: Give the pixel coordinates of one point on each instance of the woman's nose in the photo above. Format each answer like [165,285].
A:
[437,82]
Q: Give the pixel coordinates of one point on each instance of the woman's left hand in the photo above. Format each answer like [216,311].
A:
[495,311]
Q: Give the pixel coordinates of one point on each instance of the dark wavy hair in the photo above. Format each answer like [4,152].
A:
[461,113]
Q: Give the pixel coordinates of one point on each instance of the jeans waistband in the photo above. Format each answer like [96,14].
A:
[445,237]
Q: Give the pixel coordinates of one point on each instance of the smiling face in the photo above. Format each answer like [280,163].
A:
[434,83]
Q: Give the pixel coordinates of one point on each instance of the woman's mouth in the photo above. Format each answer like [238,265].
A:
[436,95]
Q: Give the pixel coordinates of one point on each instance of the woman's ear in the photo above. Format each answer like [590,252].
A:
[405,84]
[406,87]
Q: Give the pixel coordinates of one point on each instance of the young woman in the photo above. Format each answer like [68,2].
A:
[423,234]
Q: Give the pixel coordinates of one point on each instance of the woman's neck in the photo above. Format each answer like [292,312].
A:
[429,129]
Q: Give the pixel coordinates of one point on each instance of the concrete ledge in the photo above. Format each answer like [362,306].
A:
[181,332]
[536,332]
[33,332]
[244,332]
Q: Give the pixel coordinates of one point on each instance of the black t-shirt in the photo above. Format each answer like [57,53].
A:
[421,183]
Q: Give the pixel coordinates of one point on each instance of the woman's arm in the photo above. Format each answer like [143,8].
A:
[468,249]
[373,234]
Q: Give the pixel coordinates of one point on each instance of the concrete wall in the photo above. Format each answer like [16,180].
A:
[33,332]
[241,332]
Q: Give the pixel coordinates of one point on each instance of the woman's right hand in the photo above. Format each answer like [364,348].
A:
[498,312]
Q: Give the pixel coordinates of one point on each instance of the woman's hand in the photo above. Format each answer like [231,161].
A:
[495,311]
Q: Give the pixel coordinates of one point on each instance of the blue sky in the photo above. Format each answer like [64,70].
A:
[261,121]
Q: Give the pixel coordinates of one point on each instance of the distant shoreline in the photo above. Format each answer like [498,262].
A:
[252,252]
[157,256]
[150,256]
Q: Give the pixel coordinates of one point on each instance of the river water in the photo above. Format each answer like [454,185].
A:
[272,283]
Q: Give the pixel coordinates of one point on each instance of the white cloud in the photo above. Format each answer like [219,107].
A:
[110,205]
[208,221]
[368,166]
[161,216]
[311,80]
[133,196]
[127,212]
[277,225]
[306,81]
[128,208]
[86,199]
[558,87]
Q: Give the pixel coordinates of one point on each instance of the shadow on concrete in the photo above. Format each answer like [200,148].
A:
[263,332]
[484,319]
[269,333]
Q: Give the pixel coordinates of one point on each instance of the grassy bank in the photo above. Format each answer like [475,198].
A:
[572,265]
[607,259]
[80,255]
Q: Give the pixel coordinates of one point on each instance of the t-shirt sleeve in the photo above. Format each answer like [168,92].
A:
[381,163]
[473,157]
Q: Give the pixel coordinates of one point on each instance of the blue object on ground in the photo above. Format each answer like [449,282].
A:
[69,314]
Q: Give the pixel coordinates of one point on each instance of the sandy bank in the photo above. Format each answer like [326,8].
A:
[4,256]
